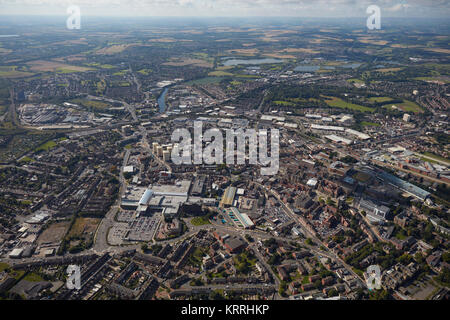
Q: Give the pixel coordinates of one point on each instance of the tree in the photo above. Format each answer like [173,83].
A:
[215,295]
[332,293]
[379,295]
[444,276]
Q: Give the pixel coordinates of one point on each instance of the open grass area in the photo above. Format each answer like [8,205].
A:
[17,274]
[434,79]
[197,256]
[66,70]
[436,157]
[380,99]
[120,73]
[206,80]
[46,146]
[200,221]
[99,105]
[339,103]
[25,160]
[33,277]
[386,70]
[55,66]
[355,81]
[369,124]
[12,72]
[284,103]
[84,227]
[3,266]
[99,65]
[220,74]
[145,72]
[406,106]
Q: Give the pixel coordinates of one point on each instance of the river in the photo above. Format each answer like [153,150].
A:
[162,100]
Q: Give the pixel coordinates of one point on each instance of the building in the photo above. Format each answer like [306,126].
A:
[234,245]
[164,198]
[240,220]
[128,169]
[228,197]
[374,212]
[166,156]
[406,117]
[198,186]
[16,253]
[404,186]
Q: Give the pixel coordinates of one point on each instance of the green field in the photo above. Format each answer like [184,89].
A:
[11,72]
[220,74]
[92,104]
[67,70]
[200,221]
[436,157]
[120,73]
[339,103]
[99,65]
[380,99]
[284,103]
[206,80]
[26,160]
[369,124]
[406,106]
[440,79]
[145,72]
[3,266]
[33,277]
[46,146]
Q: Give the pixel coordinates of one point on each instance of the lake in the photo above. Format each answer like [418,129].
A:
[307,68]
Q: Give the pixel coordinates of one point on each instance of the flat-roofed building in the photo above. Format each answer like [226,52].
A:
[198,186]
[16,253]
[228,197]
[240,220]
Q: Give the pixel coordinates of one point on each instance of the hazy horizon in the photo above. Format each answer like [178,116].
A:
[228,8]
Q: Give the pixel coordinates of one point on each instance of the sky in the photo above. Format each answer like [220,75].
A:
[229,8]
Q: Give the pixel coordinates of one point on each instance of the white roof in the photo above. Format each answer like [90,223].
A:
[16,252]
[312,182]
[128,169]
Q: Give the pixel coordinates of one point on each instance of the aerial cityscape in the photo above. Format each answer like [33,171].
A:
[209,153]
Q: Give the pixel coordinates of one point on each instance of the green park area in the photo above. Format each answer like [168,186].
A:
[339,103]
[406,106]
